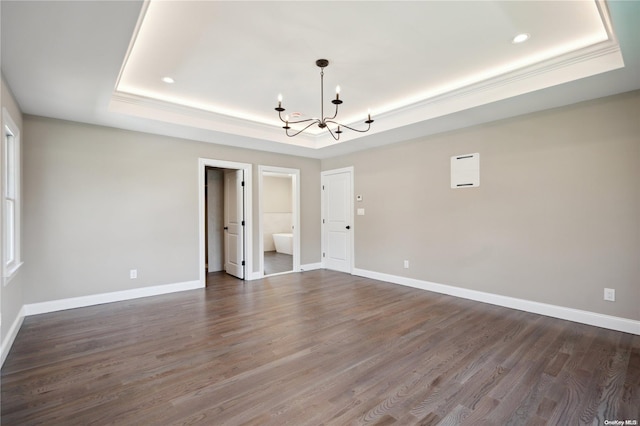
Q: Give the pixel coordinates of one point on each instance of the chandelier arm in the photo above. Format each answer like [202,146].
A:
[350,128]
[332,134]
[294,122]
[300,131]
[335,114]
[315,120]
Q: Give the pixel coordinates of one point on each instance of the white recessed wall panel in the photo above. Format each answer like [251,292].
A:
[465,171]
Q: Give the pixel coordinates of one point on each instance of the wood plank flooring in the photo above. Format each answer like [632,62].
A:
[316,348]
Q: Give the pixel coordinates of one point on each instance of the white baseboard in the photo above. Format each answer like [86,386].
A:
[116,296]
[575,315]
[11,336]
[310,267]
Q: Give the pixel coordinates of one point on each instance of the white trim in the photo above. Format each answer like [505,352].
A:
[570,314]
[351,171]
[311,266]
[203,163]
[116,296]
[11,336]
[296,214]
[9,270]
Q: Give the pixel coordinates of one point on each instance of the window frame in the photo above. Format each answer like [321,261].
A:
[11,198]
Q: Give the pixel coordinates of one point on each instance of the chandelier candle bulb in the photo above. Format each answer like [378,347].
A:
[337,100]
[279,107]
[369,120]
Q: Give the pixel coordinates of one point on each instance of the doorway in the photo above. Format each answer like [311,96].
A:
[230,192]
[279,220]
[224,212]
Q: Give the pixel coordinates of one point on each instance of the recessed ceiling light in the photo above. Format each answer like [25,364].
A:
[168,80]
[521,38]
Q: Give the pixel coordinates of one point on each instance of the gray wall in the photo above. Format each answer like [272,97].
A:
[556,217]
[11,294]
[100,201]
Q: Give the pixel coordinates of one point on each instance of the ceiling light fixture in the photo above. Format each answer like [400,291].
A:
[168,80]
[322,122]
[521,38]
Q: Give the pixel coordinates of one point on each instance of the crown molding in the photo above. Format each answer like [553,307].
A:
[597,58]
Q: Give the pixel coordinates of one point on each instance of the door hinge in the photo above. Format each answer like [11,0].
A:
[243,223]
[322,220]
[323,255]
[242,183]
[243,263]
[323,187]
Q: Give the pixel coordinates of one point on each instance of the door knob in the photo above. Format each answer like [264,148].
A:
[348,227]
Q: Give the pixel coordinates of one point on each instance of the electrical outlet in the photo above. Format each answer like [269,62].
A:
[610,294]
[406,264]
[133,274]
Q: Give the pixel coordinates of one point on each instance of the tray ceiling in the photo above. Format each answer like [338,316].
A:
[420,67]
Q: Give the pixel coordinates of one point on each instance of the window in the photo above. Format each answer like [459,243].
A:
[11,197]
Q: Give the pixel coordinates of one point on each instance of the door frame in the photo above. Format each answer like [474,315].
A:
[323,206]
[296,213]
[203,163]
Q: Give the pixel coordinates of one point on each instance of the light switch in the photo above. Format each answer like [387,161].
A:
[360,212]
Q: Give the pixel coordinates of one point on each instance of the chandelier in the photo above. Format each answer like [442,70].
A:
[322,122]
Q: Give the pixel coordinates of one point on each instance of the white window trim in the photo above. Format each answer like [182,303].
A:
[9,270]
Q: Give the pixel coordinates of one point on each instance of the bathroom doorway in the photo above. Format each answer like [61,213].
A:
[279,220]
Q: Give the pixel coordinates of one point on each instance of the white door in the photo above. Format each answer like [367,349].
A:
[337,220]
[233,223]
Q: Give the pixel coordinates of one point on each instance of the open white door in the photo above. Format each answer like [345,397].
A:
[234,223]
[337,188]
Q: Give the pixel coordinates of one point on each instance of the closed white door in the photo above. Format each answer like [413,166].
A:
[234,223]
[337,220]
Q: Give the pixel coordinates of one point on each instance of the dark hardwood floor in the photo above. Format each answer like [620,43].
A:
[315,348]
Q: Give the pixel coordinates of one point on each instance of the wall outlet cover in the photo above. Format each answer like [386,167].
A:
[610,294]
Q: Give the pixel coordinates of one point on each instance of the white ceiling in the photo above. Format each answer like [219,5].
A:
[422,67]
